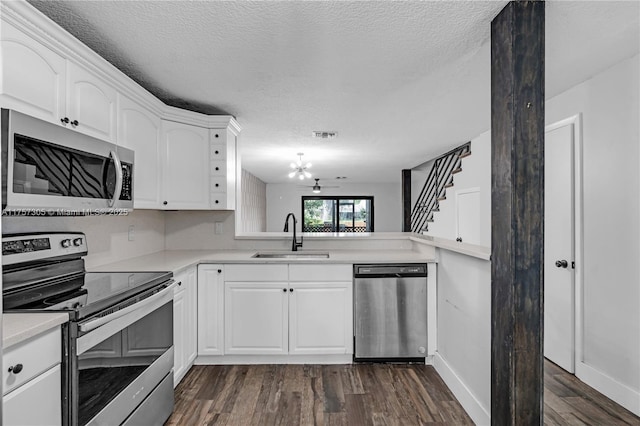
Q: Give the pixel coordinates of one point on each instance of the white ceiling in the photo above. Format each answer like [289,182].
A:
[401,82]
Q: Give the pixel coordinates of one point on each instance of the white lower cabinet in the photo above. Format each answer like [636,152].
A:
[320,318]
[210,310]
[256,318]
[33,394]
[184,323]
[268,313]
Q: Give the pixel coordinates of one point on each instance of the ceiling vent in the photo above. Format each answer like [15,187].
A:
[324,135]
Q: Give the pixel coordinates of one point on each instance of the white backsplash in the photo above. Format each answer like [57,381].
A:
[107,236]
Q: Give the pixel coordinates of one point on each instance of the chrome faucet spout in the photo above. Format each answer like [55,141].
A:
[294,244]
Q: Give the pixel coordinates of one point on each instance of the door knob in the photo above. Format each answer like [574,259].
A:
[562,263]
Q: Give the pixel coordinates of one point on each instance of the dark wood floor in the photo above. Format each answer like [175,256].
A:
[361,394]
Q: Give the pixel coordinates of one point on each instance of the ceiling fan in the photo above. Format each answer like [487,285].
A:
[317,187]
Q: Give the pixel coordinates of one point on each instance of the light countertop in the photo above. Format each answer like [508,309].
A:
[19,327]
[176,260]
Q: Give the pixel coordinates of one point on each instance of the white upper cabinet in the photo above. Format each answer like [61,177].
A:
[185,167]
[33,76]
[91,104]
[41,83]
[139,129]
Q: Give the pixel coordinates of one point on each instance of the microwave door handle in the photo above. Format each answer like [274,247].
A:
[118,189]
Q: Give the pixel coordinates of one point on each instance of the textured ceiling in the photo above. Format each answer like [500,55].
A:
[401,82]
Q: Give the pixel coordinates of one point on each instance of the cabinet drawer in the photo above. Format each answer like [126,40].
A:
[321,272]
[256,272]
[38,402]
[218,168]
[218,184]
[218,152]
[36,355]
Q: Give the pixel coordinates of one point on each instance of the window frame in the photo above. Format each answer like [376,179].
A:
[336,213]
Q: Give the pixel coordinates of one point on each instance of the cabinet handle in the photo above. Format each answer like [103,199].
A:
[219,271]
[74,123]
[164,203]
[459,239]
[15,369]
[64,120]
[291,290]
[284,289]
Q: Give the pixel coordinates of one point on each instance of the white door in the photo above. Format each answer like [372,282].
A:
[468,221]
[559,286]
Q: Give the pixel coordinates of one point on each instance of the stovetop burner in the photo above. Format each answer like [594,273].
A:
[53,277]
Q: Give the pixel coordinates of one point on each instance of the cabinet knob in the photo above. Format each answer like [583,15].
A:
[217,152]
[15,369]
[291,290]
[219,271]
[216,135]
[64,120]
[562,263]
[217,185]
[179,282]
[284,290]
[74,123]
[164,203]
[217,168]
[459,239]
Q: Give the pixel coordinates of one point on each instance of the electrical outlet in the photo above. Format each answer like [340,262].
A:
[132,233]
[218,228]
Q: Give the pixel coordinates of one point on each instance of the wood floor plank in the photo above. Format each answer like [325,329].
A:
[361,394]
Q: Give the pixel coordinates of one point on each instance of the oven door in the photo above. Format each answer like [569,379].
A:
[121,363]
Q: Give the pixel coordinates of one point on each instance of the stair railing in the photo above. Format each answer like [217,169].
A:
[440,178]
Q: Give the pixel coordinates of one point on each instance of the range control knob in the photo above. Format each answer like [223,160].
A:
[77,242]
[66,243]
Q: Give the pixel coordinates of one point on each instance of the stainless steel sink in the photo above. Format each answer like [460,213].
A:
[291,255]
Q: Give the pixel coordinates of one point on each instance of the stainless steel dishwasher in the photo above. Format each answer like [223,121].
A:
[390,312]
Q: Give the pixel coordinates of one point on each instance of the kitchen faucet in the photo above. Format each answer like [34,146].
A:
[294,244]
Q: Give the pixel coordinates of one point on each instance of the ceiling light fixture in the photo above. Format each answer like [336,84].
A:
[299,169]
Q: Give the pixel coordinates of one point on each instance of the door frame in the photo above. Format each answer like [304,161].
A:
[578,207]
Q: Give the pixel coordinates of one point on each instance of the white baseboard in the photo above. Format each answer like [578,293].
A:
[611,388]
[273,359]
[479,414]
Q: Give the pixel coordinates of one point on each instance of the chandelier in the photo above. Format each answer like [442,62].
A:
[300,169]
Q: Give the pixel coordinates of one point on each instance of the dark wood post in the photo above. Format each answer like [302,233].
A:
[517,213]
[406,200]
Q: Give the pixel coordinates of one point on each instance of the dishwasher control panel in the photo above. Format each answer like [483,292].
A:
[405,270]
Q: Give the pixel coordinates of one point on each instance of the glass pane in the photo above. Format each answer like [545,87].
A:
[346,216]
[361,214]
[319,216]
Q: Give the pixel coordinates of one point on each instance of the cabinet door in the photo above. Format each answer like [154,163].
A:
[185,166]
[255,318]
[37,402]
[210,310]
[189,281]
[139,129]
[32,78]
[179,344]
[320,318]
[91,102]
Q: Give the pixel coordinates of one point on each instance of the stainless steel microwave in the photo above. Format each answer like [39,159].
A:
[48,169]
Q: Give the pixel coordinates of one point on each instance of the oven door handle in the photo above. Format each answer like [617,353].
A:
[101,328]
[118,188]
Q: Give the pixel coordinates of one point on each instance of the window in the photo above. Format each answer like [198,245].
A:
[337,214]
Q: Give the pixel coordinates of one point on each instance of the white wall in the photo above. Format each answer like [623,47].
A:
[287,197]
[107,236]
[611,192]
[476,173]
[254,203]
[464,330]
[611,290]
